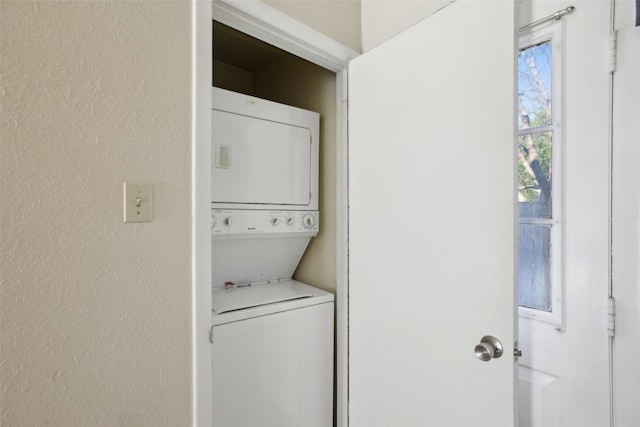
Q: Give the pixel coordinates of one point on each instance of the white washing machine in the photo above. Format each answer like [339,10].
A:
[272,336]
[273,362]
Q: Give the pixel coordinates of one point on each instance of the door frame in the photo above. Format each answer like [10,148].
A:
[274,27]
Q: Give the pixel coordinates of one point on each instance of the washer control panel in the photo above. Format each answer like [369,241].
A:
[224,222]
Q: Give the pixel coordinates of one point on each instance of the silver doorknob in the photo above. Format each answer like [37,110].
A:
[489,348]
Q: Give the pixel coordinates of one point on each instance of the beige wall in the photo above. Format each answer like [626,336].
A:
[338,19]
[95,313]
[232,78]
[297,82]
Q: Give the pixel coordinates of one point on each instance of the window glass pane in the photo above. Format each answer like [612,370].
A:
[535,267]
[534,86]
[534,175]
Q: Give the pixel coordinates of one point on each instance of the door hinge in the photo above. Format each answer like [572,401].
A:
[613,51]
[611,316]
[211,335]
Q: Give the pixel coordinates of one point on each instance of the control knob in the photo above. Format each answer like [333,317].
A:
[308,221]
[228,221]
[275,221]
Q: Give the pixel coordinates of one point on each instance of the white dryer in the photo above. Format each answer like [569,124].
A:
[265,155]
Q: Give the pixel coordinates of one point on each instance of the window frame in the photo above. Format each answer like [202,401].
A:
[554,34]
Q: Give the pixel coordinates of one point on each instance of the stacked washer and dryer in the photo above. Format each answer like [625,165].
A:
[272,335]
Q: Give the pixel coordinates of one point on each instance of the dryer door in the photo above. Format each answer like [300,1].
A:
[260,162]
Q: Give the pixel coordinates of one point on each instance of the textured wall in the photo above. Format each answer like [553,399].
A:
[95,313]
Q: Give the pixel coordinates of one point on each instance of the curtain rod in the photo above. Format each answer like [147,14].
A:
[557,16]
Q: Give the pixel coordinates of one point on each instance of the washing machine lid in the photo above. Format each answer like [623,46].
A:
[254,295]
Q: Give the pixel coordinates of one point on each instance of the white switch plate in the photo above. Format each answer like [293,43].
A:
[137,202]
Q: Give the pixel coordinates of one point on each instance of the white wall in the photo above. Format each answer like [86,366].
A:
[95,314]
[382,20]
[626,217]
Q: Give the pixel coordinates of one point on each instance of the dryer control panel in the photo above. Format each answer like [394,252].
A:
[227,222]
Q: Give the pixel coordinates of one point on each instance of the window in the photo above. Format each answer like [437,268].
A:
[539,151]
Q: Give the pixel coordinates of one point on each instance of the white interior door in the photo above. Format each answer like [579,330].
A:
[564,371]
[432,212]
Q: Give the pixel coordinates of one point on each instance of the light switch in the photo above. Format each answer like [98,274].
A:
[137,202]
